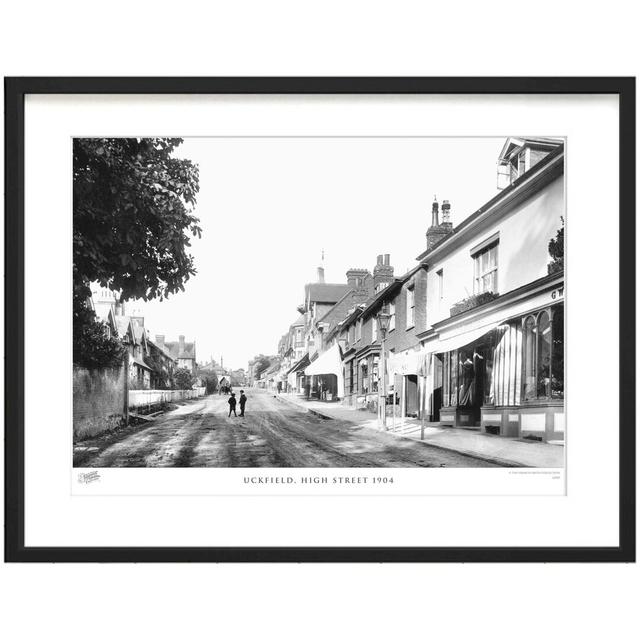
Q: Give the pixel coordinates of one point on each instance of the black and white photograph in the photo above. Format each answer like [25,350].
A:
[319,302]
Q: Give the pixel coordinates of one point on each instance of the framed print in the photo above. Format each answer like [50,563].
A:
[320,319]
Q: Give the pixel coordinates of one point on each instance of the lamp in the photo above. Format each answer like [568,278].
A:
[384,318]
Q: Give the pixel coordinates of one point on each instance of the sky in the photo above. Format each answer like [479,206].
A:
[269,207]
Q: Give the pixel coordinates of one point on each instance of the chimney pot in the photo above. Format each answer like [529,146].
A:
[320,274]
[446,211]
[379,260]
[434,213]
[387,259]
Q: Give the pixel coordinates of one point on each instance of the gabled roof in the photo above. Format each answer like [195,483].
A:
[105,314]
[330,311]
[299,321]
[325,292]
[139,332]
[123,326]
[163,351]
[516,142]
[140,363]
[188,350]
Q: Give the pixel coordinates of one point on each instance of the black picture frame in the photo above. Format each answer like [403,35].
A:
[15,91]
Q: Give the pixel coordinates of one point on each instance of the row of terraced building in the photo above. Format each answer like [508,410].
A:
[476,328]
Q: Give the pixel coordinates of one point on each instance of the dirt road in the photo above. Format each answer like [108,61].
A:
[273,434]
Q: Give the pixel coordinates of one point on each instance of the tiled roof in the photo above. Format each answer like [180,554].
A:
[188,349]
[138,330]
[299,321]
[325,292]
[161,349]
[122,324]
[140,363]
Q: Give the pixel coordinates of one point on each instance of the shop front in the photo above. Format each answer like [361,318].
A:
[366,368]
[504,375]
[408,382]
[295,376]
[325,376]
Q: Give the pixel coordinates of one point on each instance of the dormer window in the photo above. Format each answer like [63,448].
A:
[521,154]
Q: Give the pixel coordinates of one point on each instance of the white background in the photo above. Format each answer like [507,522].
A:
[320,601]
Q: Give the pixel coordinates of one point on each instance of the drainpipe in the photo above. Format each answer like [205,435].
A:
[126,383]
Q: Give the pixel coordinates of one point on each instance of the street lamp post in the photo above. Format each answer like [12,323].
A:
[384,318]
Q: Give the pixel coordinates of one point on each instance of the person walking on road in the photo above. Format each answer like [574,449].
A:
[243,401]
[232,405]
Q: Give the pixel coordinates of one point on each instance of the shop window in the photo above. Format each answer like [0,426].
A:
[557,349]
[488,386]
[450,379]
[466,377]
[485,266]
[544,355]
[375,373]
[507,366]
[364,376]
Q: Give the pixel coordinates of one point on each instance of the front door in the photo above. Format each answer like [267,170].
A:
[411,397]
[437,387]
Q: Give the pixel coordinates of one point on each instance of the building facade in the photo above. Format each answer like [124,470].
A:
[476,329]
[184,353]
[495,305]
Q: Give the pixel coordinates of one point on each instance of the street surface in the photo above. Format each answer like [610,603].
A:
[273,434]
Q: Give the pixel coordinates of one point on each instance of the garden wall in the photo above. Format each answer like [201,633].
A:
[98,401]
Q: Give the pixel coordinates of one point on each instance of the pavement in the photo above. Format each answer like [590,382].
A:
[272,434]
[497,449]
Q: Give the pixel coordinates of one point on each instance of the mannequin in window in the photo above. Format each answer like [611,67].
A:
[467,378]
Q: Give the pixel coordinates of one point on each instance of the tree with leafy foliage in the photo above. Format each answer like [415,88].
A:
[260,364]
[132,222]
[184,379]
[210,381]
[556,251]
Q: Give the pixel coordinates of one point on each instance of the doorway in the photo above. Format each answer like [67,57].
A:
[436,398]
[411,396]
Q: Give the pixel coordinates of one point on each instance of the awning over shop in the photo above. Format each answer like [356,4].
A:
[455,333]
[460,340]
[328,363]
[405,364]
[301,364]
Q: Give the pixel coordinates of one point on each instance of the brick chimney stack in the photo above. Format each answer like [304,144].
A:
[356,277]
[439,230]
[446,212]
[382,272]
[181,343]
[160,341]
